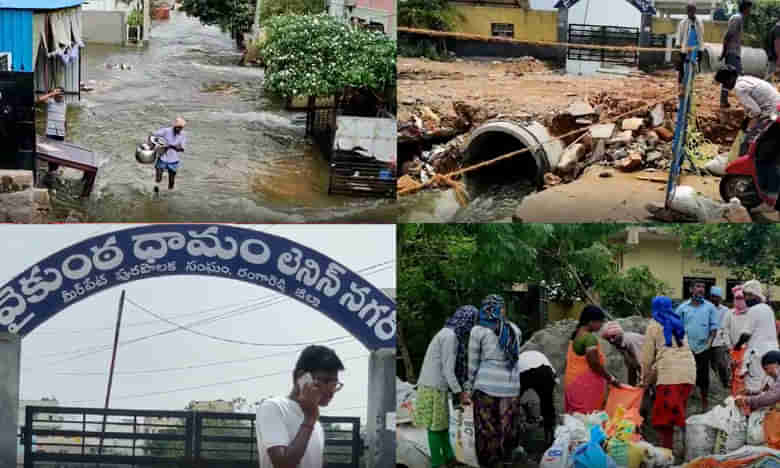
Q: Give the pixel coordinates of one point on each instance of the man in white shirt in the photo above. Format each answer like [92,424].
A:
[684,37]
[759,335]
[289,434]
[169,160]
[721,359]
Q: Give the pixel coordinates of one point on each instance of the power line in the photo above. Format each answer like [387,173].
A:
[215,384]
[189,367]
[83,352]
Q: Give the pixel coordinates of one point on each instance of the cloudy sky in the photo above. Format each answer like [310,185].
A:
[68,356]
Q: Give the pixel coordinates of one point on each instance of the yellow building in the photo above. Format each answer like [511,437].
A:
[506,18]
[660,251]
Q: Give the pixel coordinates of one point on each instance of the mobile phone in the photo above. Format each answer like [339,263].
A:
[305,379]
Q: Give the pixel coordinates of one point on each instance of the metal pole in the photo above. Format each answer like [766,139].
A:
[111,369]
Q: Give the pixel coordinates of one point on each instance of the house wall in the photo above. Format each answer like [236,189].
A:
[16,32]
[668,263]
[104,27]
[529,24]
[713,30]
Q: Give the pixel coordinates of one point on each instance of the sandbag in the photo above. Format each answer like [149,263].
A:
[655,457]
[462,436]
[575,427]
[772,429]
[627,397]
[755,428]
[557,456]
[699,437]
[686,200]
[717,165]
[590,454]
[732,424]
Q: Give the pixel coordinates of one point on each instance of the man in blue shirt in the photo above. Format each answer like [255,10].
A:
[700,318]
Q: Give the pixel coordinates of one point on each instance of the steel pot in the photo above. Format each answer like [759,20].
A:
[146,153]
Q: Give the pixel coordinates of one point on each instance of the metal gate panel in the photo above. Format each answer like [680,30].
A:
[615,36]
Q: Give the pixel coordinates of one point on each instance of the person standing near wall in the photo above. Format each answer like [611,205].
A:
[690,34]
[732,46]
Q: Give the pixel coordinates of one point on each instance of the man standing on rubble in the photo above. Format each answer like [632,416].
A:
[690,33]
[732,46]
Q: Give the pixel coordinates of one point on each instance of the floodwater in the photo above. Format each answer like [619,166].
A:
[493,204]
[247,159]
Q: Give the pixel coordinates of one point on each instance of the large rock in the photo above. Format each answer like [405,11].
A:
[17,207]
[603,131]
[623,138]
[630,163]
[664,133]
[15,180]
[571,157]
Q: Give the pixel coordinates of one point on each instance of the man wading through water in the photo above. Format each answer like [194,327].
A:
[169,160]
[289,434]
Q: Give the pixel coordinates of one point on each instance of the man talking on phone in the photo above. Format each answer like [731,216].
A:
[289,434]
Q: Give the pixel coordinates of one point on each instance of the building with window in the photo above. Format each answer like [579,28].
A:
[379,15]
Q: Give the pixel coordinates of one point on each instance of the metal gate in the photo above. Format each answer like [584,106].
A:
[588,34]
[74,438]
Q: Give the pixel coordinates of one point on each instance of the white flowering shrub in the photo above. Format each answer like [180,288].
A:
[318,55]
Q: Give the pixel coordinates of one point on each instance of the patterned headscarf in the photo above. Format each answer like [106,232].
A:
[672,323]
[462,321]
[490,317]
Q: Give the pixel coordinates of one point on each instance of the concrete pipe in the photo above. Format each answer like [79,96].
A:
[501,137]
[754,61]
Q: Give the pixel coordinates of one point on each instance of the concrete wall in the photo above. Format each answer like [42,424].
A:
[529,24]
[10,353]
[104,27]
[713,30]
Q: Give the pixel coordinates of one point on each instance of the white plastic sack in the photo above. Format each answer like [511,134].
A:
[655,457]
[462,437]
[575,427]
[557,456]
[732,424]
[405,396]
[755,428]
[687,201]
[699,436]
[717,165]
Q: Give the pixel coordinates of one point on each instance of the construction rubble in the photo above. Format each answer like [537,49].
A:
[720,437]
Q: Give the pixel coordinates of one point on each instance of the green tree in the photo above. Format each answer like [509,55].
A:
[271,8]
[232,16]
[427,14]
[442,267]
[319,56]
[748,250]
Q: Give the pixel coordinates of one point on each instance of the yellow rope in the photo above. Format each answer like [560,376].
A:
[447,178]
[480,37]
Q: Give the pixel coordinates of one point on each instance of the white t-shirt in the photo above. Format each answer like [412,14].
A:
[278,422]
[531,360]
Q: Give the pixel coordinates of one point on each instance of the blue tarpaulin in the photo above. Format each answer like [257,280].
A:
[39,4]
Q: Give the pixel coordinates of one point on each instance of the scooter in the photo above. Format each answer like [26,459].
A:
[741,179]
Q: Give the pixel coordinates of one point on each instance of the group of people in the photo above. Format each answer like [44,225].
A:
[759,98]
[476,357]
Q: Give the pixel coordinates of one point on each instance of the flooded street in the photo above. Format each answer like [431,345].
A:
[246,159]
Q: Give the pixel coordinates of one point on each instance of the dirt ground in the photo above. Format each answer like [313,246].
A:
[527,88]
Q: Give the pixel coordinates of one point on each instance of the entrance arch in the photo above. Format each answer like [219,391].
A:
[112,259]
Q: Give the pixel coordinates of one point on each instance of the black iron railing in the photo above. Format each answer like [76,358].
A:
[71,437]
[588,34]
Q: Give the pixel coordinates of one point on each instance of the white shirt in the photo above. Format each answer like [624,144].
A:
[756,95]
[684,28]
[761,327]
[438,369]
[531,360]
[720,336]
[733,325]
[171,156]
[278,422]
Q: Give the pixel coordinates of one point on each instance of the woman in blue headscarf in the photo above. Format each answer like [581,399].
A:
[667,362]
[443,370]
[494,379]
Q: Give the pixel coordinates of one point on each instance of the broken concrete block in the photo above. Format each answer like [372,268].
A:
[622,138]
[551,179]
[654,156]
[657,116]
[633,124]
[599,151]
[580,109]
[15,180]
[664,133]
[603,131]
[652,138]
[570,157]
[630,163]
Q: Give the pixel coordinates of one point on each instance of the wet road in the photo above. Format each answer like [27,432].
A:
[247,159]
